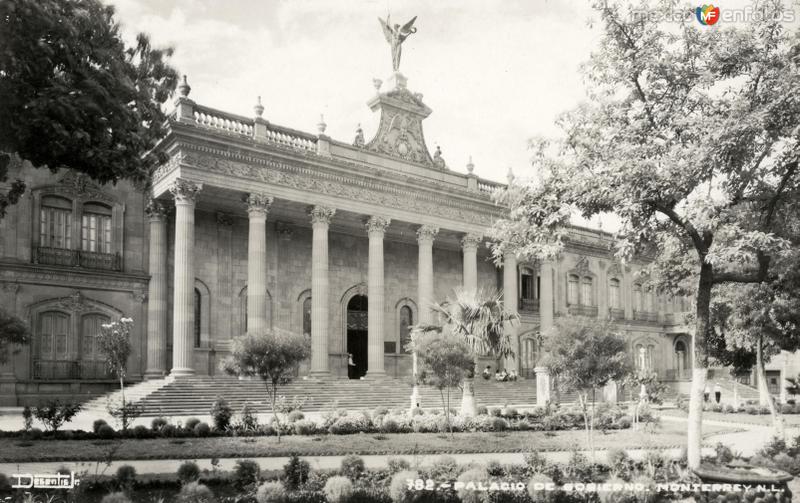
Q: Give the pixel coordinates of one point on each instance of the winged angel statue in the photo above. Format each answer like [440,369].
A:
[396,35]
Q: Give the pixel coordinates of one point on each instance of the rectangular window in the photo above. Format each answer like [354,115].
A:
[96,233]
[572,291]
[586,292]
[55,227]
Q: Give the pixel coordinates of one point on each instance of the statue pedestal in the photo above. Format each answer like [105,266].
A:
[542,386]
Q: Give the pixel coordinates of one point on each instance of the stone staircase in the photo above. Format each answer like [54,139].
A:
[136,393]
[726,383]
[194,395]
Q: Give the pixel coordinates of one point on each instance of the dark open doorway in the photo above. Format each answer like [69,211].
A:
[357,336]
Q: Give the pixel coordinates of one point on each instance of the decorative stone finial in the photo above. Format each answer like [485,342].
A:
[359,140]
[184,88]
[377,83]
[259,108]
[470,166]
[321,126]
[510,176]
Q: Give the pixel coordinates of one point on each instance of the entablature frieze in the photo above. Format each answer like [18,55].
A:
[22,274]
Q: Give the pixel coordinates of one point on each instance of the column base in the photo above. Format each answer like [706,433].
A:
[151,374]
[375,376]
[182,372]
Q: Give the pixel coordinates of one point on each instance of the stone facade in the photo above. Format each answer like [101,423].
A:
[251,225]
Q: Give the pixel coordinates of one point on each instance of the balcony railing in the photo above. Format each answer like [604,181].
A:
[616,313]
[583,310]
[529,305]
[78,258]
[678,375]
[645,316]
[70,369]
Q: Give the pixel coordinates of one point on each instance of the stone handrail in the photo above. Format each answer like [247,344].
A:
[488,186]
[215,119]
[291,138]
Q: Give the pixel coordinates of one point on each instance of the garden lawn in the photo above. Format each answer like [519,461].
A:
[738,417]
[20,450]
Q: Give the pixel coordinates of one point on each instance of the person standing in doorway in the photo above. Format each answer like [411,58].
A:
[717,392]
[351,367]
[705,393]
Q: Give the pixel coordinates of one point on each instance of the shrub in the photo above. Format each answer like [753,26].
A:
[397,465]
[352,467]
[389,425]
[168,431]
[787,409]
[248,421]
[350,423]
[141,431]
[105,431]
[5,485]
[54,413]
[481,410]
[751,410]
[295,415]
[195,492]
[613,496]
[446,467]
[774,447]
[337,489]
[398,487]
[787,463]
[115,498]
[191,423]
[380,411]
[618,460]
[417,411]
[305,427]
[202,429]
[724,453]
[728,409]
[536,488]
[35,433]
[624,423]
[495,424]
[187,472]
[509,412]
[494,468]
[535,462]
[126,477]
[97,424]
[295,472]
[429,424]
[471,478]
[716,407]
[270,492]
[245,473]
[157,423]
[495,411]
[221,413]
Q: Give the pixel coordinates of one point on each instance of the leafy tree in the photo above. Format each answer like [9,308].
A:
[585,354]
[447,360]
[54,413]
[79,98]
[478,317]
[114,343]
[272,356]
[13,333]
[691,138]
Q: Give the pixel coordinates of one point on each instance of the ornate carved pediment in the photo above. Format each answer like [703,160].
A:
[400,130]
[80,186]
[615,269]
[582,265]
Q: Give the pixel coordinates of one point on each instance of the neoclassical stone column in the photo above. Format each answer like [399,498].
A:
[257,208]
[469,245]
[425,236]
[185,193]
[546,311]
[376,228]
[320,221]
[510,303]
[157,292]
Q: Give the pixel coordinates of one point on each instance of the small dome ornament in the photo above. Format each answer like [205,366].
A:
[321,126]
[510,176]
[259,108]
[377,83]
[470,166]
[359,139]
[184,88]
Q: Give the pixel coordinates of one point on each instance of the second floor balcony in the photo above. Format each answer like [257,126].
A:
[77,258]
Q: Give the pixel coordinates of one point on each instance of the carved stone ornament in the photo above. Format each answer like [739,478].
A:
[582,265]
[139,296]
[427,233]
[10,286]
[155,210]
[321,214]
[400,129]
[81,186]
[470,241]
[75,302]
[615,269]
[185,191]
[376,224]
[359,139]
[258,204]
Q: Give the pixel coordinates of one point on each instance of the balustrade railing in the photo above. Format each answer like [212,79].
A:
[77,258]
[210,118]
[616,313]
[487,186]
[583,310]
[70,369]
[290,138]
[529,305]
[645,316]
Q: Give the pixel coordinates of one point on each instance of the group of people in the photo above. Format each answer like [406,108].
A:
[717,393]
[499,375]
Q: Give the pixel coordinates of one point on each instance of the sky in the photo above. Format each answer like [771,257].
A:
[495,73]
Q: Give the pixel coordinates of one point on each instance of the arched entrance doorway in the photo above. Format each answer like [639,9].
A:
[682,359]
[357,336]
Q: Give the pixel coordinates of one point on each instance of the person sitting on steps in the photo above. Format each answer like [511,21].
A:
[487,372]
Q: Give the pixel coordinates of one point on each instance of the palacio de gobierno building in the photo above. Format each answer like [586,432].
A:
[252,225]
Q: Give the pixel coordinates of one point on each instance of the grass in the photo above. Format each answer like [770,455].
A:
[737,417]
[668,434]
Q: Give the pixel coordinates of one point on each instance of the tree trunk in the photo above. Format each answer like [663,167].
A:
[468,406]
[447,413]
[591,427]
[123,411]
[764,396]
[702,324]
[273,395]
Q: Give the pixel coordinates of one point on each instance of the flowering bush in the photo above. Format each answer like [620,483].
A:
[429,424]
[351,423]
[305,427]
[195,492]
[270,492]
[398,487]
[338,489]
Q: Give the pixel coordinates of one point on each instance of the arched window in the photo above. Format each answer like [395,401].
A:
[586,292]
[613,294]
[637,297]
[572,290]
[307,316]
[55,222]
[406,322]
[96,228]
[649,302]
[198,312]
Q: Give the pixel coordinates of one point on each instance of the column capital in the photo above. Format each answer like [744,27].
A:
[427,233]
[377,224]
[321,214]
[471,241]
[155,210]
[185,191]
[258,204]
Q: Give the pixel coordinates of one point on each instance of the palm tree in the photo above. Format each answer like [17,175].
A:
[479,317]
